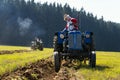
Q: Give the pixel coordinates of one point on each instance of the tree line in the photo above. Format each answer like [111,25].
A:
[21,21]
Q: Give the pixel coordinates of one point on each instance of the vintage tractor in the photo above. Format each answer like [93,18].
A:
[37,45]
[74,45]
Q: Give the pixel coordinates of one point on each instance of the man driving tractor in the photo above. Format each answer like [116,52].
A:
[73,45]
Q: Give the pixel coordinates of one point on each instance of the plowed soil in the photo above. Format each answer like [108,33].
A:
[13,51]
[42,70]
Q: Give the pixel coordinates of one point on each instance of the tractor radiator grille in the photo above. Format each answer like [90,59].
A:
[74,40]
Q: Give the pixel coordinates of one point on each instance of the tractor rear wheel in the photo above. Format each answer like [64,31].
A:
[92,60]
[40,47]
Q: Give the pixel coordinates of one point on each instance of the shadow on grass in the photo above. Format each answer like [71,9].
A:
[102,67]
[86,66]
[98,67]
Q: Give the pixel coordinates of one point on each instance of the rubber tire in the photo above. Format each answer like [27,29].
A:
[57,61]
[41,48]
[92,61]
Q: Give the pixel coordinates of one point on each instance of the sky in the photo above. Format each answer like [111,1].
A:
[109,9]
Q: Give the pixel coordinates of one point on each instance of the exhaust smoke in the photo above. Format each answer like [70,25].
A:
[24,25]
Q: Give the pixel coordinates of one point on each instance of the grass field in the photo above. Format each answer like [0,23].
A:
[10,62]
[107,63]
[107,67]
[3,47]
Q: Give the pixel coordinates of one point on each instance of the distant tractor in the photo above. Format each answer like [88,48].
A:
[37,44]
[74,45]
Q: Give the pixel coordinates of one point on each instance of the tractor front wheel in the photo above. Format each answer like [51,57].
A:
[57,61]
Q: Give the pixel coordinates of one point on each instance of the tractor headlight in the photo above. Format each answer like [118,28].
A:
[61,36]
[93,52]
[87,35]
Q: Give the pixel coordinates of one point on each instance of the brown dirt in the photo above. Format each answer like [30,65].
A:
[13,51]
[41,70]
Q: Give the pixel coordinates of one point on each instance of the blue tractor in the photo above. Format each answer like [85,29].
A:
[74,45]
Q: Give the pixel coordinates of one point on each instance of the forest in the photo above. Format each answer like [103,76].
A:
[21,21]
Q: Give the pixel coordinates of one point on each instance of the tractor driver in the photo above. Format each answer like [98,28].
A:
[71,24]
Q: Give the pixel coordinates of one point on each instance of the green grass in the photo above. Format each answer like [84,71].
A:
[107,67]
[10,62]
[3,47]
